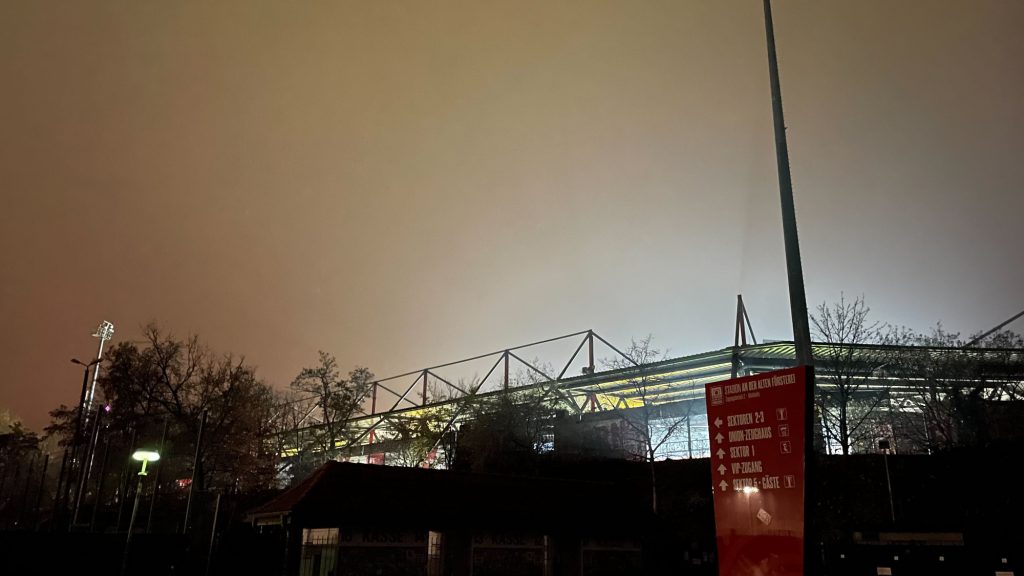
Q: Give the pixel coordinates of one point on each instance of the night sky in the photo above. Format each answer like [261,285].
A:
[405,183]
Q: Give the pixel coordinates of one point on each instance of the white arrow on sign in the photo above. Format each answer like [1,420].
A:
[719,437]
[721,468]
[718,422]
[720,453]
[723,485]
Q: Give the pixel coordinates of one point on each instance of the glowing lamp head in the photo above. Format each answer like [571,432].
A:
[750,490]
[145,456]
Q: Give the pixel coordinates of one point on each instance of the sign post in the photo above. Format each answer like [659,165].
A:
[758,430]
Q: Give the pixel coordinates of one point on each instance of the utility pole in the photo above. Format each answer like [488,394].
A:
[195,468]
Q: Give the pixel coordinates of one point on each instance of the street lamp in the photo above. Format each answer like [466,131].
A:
[144,456]
[85,387]
[79,458]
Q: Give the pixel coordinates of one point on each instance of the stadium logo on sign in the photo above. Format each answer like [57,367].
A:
[716,395]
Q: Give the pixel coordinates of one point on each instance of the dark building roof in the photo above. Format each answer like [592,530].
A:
[346,494]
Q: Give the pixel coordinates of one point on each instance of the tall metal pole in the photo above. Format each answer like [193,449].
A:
[80,481]
[75,469]
[3,482]
[14,484]
[83,484]
[736,341]
[99,484]
[590,351]
[39,493]
[125,482]
[988,333]
[25,492]
[797,295]
[506,371]
[131,523]
[794,269]
[156,480]
[66,495]
[58,498]
[213,534]
[425,374]
[195,467]
[888,483]
[81,401]
[104,332]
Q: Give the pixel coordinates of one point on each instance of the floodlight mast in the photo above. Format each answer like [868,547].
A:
[104,332]
[797,295]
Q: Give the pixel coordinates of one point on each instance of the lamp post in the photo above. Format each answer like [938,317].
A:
[144,456]
[76,457]
[85,388]
[104,332]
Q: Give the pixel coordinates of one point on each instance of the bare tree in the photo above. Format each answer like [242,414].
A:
[847,408]
[506,430]
[949,385]
[177,381]
[20,454]
[291,439]
[651,422]
[338,400]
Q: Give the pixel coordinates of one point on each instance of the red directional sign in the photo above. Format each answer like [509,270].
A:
[756,425]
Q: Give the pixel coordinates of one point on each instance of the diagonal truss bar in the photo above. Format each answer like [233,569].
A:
[392,391]
[554,383]
[574,355]
[458,412]
[549,385]
[447,382]
[373,426]
[402,397]
[478,357]
[531,367]
[497,362]
[620,352]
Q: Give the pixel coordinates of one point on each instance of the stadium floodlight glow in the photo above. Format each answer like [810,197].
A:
[145,456]
[750,490]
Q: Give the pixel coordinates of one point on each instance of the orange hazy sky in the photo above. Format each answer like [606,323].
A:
[405,183]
